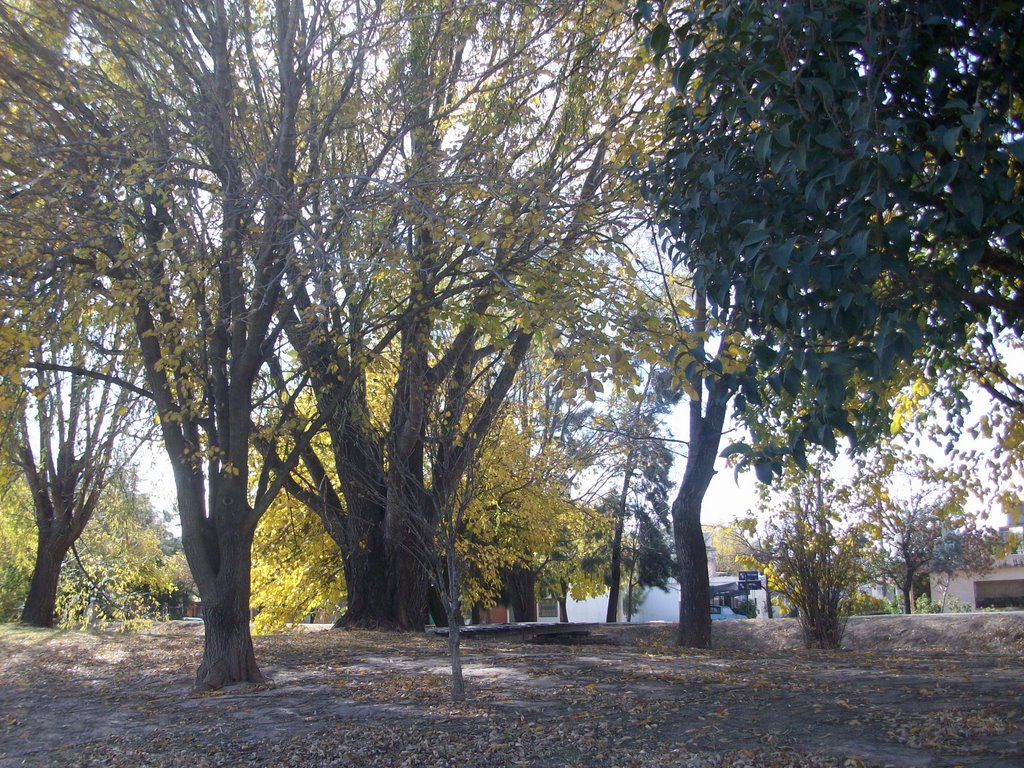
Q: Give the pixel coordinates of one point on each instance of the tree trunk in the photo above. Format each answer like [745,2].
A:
[228,655]
[694,590]
[615,577]
[407,584]
[707,420]
[365,562]
[615,580]
[522,589]
[563,600]
[41,602]
[768,601]
[908,602]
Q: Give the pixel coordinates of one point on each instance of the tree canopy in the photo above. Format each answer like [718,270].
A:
[847,176]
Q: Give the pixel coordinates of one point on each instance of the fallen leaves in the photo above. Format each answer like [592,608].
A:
[376,699]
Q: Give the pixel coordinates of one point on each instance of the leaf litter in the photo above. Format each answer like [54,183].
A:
[378,699]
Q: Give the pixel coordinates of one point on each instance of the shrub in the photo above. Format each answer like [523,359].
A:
[863,604]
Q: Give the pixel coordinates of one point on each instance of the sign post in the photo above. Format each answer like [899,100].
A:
[749,580]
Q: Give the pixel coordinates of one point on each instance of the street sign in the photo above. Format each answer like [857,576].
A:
[749,580]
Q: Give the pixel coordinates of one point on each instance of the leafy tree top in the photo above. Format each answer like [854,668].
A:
[847,176]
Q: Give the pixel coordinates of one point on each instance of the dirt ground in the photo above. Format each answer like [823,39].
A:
[908,691]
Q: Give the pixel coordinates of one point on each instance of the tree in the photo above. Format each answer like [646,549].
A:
[119,570]
[634,438]
[815,564]
[175,148]
[493,210]
[907,505]
[648,560]
[76,434]
[967,551]
[846,175]
[706,358]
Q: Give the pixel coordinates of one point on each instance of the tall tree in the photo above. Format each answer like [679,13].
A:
[846,174]
[834,203]
[75,435]
[907,505]
[634,426]
[493,203]
[176,147]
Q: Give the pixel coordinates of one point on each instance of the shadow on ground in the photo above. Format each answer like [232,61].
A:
[374,699]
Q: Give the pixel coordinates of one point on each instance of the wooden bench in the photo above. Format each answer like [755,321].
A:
[537,631]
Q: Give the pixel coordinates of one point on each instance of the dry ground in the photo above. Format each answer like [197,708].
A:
[909,691]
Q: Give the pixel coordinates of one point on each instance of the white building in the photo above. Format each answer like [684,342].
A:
[657,605]
[1002,587]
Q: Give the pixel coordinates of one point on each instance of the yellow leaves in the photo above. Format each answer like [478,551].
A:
[908,404]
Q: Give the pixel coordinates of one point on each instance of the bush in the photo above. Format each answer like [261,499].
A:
[955,605]
[863,604]
[746,608]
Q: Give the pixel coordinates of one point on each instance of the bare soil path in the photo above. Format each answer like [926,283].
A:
[910,691]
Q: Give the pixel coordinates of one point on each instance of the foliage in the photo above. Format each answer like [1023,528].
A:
[970,551]
[640,548]
[926,604]
[907,505]
[863,604]
[296,567]
[523,515]
[119,571]
[17,547]
[813,557]
[746,608]
[846,175]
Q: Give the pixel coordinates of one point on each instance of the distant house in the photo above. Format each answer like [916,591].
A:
[657,605]
[1002,587]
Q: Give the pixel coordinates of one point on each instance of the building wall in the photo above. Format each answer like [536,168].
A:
[657,606]
[1005,582]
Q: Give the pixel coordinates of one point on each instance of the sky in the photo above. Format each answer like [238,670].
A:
[729,496]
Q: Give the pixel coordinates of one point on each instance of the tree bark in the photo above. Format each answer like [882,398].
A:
[522,589]
[708,407]
[694,589]
[615,580]
[228,655]
[40,605]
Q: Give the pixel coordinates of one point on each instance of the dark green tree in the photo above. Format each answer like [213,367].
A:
[847,175]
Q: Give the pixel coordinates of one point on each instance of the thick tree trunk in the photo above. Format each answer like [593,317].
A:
[706,423]
[41,602]
[228,655]
[522,589]
[407,589]
[908,601]
[365,562]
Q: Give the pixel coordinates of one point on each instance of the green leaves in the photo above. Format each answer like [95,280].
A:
[850,197]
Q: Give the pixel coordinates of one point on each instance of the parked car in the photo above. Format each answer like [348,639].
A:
[724,613]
